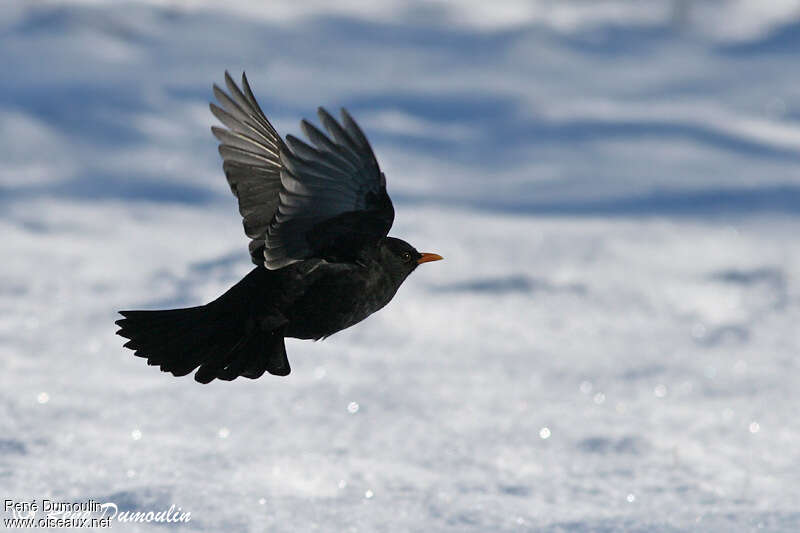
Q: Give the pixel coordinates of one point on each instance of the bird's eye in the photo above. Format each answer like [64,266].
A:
[406,256]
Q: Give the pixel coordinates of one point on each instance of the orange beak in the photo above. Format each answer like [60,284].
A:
[426,258]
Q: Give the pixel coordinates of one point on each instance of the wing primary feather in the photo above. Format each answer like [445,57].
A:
[231,153]
[311,169]
[322,142]
[337,132]
[251,107]
[236,95]
[315,189]
[241,141]
[234,124]
[307,152]
[354,131]
[248,93]
[234,109]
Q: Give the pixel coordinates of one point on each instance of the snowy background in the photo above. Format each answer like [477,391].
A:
[610,345]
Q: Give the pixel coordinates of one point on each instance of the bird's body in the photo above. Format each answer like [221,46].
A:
[318,218]
[339,295]
[315,299]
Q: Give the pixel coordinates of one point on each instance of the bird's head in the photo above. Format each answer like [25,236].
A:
[401,258]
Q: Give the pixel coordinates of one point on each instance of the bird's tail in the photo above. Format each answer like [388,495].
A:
[223,338]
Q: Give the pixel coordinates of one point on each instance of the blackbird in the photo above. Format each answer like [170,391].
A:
[317,216]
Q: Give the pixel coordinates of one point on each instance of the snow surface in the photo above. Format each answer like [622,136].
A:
[610,345]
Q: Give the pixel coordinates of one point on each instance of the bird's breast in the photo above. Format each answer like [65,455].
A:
[336,299]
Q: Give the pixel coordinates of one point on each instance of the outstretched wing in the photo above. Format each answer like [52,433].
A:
[333,198]
[250,149]
[300,201]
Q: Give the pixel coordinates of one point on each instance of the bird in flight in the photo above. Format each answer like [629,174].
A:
[317,216]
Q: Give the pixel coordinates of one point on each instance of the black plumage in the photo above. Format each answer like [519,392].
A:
[317,216]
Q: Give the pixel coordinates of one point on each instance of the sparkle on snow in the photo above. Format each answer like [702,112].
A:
[599,398]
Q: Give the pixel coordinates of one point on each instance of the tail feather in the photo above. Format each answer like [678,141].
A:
[221,338]
[271,357]
[239,360]
[277,362]
[215,367]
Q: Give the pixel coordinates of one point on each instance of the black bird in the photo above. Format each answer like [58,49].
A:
[318,218]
